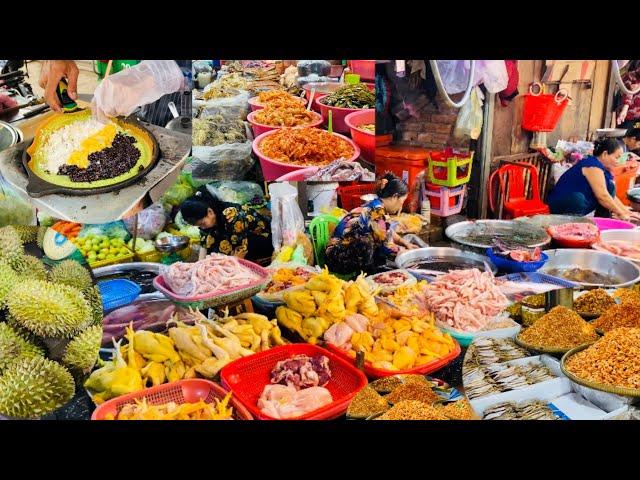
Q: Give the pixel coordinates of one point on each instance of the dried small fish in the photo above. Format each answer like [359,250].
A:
[499,377]
[531,410]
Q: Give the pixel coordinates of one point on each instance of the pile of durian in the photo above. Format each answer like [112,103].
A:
[50,327]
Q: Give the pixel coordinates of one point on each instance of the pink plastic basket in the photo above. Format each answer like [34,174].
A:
[247,377]
[183,391]
[365,140]
[365,68]
[298,175]
[272,169]
[338,116]
[260,128]
[449,200]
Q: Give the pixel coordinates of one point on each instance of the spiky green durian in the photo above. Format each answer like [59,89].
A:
[82,352]
[33,387]
[92,295]
[14,347]
[27,233]
[11,249]
[70,272]
[8,279]
[40,236]
[30,267]
[47,309]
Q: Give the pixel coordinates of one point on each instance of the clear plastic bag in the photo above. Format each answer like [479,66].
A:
[123,92]
[14,210]
[151,221]
[235,107]
[178,192]
[492,74]
[286,217]
[199,66]
[111,230]
[229,161]
[455,75]
[319,67]
[240,192]
[469,123]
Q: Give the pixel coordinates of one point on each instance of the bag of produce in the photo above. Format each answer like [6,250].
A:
[13,209]
[240,192]
[469,121]
[236,105]
[151,221]
[286,218]
[228,161]
[178,192]
[110,230]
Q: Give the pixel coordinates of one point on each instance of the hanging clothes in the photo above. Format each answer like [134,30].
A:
[511,91]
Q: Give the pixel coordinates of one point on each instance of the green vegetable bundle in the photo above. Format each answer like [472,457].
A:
[351,96]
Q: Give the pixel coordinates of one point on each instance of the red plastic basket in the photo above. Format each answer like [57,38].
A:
[350,195]
[247,377]
[425,369]
[542,111]
[183,391]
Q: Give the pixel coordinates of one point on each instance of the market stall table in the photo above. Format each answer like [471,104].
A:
[102,208]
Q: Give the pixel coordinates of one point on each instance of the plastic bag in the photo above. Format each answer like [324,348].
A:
[14,210]
[240,193]
[469,123]
[151,221]
[492,74]
[178,192]
[236,106]
[286,218]
[319,67]
[199,66]
[558,169]
[111,230]
[123,92]
[229,161]
[455,75]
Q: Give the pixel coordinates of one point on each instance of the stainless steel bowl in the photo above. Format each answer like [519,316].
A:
[445,254]
[625,272]
[463,232]
[126,267]
[172,243]
[631,236]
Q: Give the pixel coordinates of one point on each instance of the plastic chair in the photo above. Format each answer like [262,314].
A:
[319,230]
[514,198]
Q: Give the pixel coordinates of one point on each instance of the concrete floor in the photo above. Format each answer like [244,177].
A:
[87,79]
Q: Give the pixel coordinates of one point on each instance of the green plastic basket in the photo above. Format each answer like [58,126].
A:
[319,230]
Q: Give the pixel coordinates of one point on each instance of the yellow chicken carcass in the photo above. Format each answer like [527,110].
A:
[313,328]
[114,379]
[402,325]
[174,371]
[289,318]
[275,334]
[368,307]
[404,358]
[301,301]
[362,341]
[319,297]
[190,348]
[153,372]
[155,346]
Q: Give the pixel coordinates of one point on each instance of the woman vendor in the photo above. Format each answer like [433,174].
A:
[363,239]
[589,185]
[239,230]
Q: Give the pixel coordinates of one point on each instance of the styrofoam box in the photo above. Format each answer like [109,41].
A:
[575,407]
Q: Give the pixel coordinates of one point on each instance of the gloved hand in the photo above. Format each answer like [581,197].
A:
[123,92]
[51,74]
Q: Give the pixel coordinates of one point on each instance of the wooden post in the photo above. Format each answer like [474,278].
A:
[485,150]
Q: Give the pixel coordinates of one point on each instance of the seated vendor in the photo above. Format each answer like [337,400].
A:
[589,185]
[243,231]
[631,141]
[363,239]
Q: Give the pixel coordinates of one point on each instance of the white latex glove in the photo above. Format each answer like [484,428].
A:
[120,94]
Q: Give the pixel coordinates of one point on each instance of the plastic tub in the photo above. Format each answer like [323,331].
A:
[604,224]
[350,195]
[256,105]
[118,293]
[365,68]
[383,140]
[272,169]
[247,377]
[406,162]
[298,175]
[338,115]
[113,261]
[183,391]
[624,177]
[365,140]
[150,257]
[511,266]
[260,128]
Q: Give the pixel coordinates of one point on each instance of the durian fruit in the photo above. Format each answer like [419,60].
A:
[11,249]
[8,279]
[92,295]
[82,352]
[47,309]
[33,387]
[28,233]
[30,267]
[14,347]
[70,272]
[40,236]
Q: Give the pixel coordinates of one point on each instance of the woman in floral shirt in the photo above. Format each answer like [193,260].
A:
[243,231]
[629,114]
[364,239]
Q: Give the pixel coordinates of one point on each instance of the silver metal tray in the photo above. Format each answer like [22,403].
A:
[127,267]
[445,254]
[624,271]
[506,230]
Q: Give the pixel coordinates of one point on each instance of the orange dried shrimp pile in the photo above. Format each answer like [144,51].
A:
[278,98]
[305,146]
[285,116]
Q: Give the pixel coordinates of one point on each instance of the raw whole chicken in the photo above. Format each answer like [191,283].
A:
[281,401]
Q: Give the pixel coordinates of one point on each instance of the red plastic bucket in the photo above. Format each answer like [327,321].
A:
[272,169]
[542,111]
[260,128]
[365,68]
[365,140]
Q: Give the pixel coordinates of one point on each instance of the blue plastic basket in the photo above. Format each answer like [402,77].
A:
[512,266]
[536,277]
[118,293]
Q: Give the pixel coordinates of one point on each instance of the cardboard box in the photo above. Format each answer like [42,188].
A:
[579,70]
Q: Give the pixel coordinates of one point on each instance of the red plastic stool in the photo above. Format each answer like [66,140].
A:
[514,198]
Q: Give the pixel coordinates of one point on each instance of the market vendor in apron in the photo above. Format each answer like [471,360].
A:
[589,185]
[364,238]
[243,231]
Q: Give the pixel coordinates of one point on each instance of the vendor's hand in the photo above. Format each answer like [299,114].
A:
[120,94]
[635,215]
[623,114]
[52,72]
